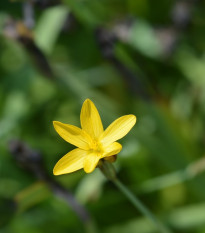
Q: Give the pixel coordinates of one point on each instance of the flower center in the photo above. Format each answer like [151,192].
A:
[96,147]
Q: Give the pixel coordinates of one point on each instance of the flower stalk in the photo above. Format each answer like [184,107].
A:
[108,170]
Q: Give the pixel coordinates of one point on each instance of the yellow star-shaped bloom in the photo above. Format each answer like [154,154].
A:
[93,142]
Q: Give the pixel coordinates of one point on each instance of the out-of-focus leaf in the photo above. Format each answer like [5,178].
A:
[31,196]
[189,217]
[90,188]
[49,27]
[192,66]
[142,38]
[16,107]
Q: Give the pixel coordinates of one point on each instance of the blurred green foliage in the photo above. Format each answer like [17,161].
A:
[137,56]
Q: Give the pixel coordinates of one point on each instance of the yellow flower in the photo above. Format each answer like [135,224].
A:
[93,142]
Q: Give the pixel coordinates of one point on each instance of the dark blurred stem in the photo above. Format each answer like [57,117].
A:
[107,41]
[131,79]
[64,194]
[109,171]
[68,197]
[31,160]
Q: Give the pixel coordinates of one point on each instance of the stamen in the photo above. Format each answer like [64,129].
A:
[96,147]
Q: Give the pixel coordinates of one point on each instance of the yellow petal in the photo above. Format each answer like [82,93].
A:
[118,129]
[91,162]
[90,119]
[70,162]
[73,135]
[112,149]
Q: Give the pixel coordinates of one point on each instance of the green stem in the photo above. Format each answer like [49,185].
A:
[109,171]
[140,206]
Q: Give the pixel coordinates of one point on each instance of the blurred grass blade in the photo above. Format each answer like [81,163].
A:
[31,196]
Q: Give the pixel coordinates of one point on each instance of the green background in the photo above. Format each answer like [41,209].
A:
[139,57]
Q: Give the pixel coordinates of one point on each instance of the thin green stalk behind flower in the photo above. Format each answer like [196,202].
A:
[109,171]
[93,142]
